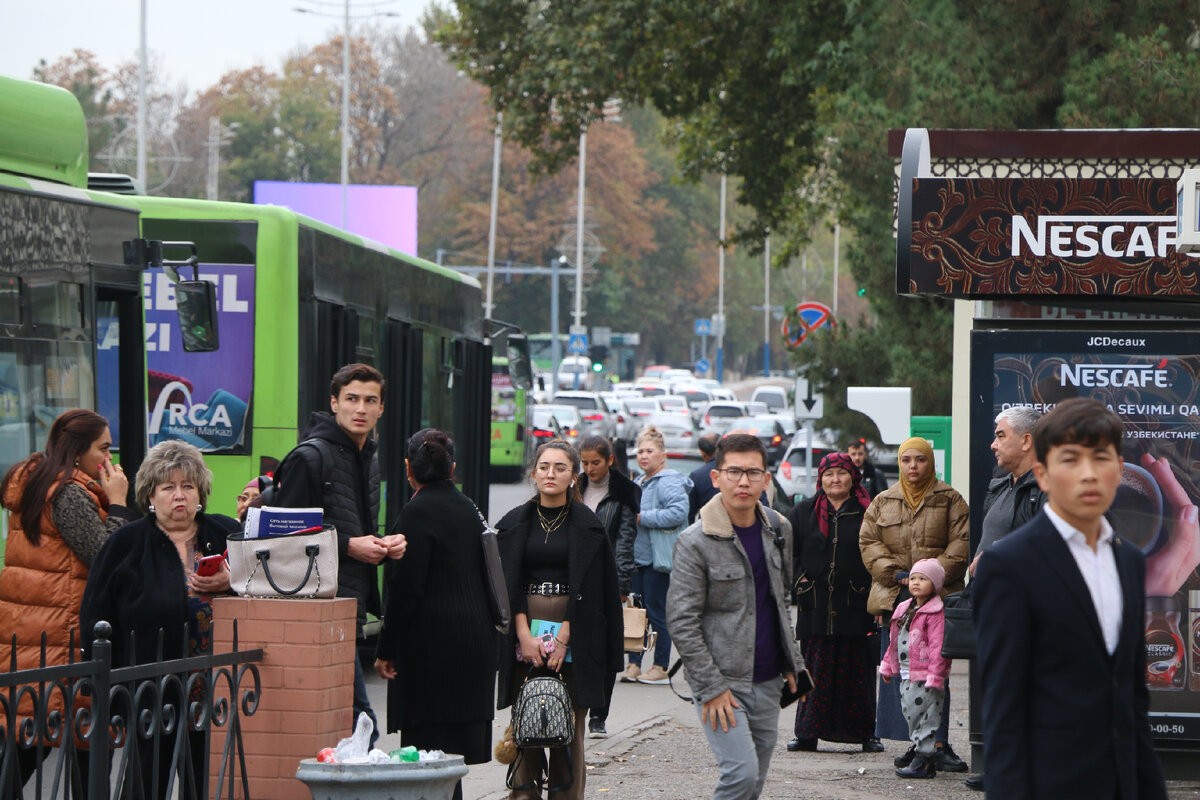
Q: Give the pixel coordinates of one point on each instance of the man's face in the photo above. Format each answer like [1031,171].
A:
[1009,448]
[858,454]
[742,493]
[358,408]
[1080,481]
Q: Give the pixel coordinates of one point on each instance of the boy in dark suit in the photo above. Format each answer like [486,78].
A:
[1059,614]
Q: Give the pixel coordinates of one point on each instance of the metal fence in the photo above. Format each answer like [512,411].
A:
[86,730]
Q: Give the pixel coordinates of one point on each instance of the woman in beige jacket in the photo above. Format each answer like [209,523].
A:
[920,517]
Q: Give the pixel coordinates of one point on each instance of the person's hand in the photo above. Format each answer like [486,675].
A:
[1169,568]
[368,549]
[217,583]
[532,652]
[385,668]
[789,678]
[396,545]
[720,709]
[113,482]
[556,657]
[886,678]
[974,563]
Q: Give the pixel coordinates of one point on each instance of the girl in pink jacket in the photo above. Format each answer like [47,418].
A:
[915,656]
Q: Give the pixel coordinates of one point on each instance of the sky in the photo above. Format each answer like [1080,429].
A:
[197,42]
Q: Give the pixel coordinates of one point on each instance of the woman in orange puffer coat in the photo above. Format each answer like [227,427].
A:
[63,504]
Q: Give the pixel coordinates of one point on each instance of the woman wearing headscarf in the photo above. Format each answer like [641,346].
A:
[920,517]
[832,623]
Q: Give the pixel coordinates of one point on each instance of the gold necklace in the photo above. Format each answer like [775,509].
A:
[550,526]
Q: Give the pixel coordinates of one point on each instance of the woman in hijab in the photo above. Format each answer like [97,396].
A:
[920,517]
[832,623]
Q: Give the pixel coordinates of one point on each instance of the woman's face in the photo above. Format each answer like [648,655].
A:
[915,467]
[97,454]
[595,466]
[175,500]
[837,483]
[243,499]
[553,475]
[650,456]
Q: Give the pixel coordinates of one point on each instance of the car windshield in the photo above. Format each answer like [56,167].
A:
[757,425]
[586,403]
[672,401]
[565,414]
[724,411]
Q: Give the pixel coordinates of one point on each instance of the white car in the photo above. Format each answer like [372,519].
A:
[639,411]
[570,368]
[677,375]
[775,398]
[568,419]
[596,420]
[792,473]
[718,416]
[679,437]
[674,404]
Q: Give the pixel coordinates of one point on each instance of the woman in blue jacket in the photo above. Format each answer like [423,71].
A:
[664,510]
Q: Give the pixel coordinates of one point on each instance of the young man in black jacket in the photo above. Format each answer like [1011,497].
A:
[334,468]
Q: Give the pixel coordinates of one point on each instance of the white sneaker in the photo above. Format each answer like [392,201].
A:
[656,675]
[631,673]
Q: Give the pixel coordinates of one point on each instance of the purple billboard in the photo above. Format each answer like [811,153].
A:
[387,214]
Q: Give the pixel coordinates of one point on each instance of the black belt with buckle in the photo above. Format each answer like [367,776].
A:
[547,588]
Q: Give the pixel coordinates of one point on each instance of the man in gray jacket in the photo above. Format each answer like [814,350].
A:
[728,618]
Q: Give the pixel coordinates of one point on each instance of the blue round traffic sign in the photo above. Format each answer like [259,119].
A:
[702,365]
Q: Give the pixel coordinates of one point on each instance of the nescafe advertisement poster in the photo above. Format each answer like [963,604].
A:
[1151,379]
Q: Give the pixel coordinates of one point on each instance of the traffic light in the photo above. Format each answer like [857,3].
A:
[598,353]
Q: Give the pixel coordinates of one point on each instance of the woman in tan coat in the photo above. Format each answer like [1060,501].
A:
[920,517]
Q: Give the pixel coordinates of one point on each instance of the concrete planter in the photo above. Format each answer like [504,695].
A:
[410,780]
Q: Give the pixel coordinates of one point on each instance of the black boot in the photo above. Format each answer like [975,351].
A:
[802,745]
[906,758]
[872,745]
[922,766]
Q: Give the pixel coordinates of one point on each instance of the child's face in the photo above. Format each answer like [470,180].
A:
[919,586]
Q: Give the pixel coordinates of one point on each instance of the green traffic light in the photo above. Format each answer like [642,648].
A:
[862,292]
[597,367]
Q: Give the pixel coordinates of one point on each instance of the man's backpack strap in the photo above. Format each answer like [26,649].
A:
[319,481]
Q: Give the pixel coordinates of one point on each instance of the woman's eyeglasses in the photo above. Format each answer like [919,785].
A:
[557,469]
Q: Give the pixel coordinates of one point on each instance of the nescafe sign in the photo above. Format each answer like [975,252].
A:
[991,238]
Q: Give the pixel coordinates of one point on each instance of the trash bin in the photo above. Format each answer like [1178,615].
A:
[407,780]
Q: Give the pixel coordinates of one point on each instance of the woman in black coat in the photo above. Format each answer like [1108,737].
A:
[438,625]
[832,623]
[145,579]
[559,568]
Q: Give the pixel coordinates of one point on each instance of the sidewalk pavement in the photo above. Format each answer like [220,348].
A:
[666,757]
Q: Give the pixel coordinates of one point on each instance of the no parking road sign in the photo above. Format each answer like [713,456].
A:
[807,317]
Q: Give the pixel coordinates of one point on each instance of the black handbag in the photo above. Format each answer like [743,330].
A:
[958,639]
[493,577]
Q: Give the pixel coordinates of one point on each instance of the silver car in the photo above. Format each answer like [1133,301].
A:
[719,415]
[595,418]
[679,437]
[567,417]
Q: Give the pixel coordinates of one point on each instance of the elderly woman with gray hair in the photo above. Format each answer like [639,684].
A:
[145,579]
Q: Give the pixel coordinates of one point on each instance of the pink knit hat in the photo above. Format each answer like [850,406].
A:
[932,569]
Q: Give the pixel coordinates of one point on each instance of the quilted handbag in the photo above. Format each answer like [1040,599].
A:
[958,640]
[300,565]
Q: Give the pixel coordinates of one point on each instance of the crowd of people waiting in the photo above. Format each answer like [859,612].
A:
[865,566]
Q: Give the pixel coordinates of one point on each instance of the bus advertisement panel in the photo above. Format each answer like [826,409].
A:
[200,398]
[1151,379]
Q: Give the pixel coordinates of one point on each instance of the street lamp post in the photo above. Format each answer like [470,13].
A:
[345,146]
[488,305]
[579,220]
[767,308]
[721,290]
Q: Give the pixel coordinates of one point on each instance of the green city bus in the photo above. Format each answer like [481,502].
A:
[509,450]
[85,325]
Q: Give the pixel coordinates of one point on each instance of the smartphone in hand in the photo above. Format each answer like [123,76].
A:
[209,565]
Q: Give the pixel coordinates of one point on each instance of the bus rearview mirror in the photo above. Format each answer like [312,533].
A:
[519,370]
[196,305]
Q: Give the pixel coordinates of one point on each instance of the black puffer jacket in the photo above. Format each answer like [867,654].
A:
[348,491]
[831,583]
[618,514]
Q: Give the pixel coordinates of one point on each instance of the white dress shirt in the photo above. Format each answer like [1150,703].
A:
[1099,570]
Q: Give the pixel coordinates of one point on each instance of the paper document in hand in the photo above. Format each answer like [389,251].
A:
[275,521]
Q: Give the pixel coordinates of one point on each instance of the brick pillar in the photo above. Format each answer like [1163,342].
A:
[307,679]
